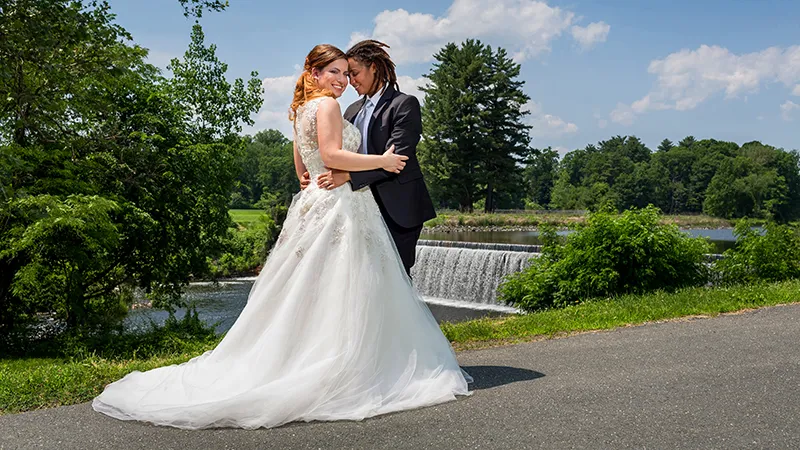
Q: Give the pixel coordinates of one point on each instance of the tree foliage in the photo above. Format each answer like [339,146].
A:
[267,174]
[474,137]
[114,177]
[715,177]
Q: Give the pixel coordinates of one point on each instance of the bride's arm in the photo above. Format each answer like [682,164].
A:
[300,168]
[329,136]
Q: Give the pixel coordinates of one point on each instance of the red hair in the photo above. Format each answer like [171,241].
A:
[306,87]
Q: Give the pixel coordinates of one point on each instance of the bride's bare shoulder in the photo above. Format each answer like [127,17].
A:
[329,105]
[329,110]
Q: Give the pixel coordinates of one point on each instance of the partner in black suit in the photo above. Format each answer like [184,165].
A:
[394,118]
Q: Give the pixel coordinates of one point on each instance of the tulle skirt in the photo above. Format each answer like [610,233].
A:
[332,330]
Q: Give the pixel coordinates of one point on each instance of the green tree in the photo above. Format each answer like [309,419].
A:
[761,181]
[508,135]
[267,170]
[195,8]
[615,171]
[540,175]
[687,142]
[665,145]
[678,162]
[473,135]
[709,155]
[119,178]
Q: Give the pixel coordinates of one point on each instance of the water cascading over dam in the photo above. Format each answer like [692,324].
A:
[467,271]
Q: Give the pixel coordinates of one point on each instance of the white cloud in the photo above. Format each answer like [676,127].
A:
[589,35]
[412,86]
[546,125]
[796,90]
[525,28]
[274,112]
[787,108]
[623,114]
[687,78]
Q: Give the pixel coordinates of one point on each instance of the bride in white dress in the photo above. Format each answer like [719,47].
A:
[333,328]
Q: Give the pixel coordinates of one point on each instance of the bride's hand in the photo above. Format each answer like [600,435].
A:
[392,162]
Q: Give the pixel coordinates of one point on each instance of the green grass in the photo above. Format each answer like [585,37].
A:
[35,383]
[244,217]
[557,219]
[616,312]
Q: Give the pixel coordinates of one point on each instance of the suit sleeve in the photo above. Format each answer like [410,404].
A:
[405,137]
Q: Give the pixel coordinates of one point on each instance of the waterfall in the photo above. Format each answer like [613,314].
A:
[467,271]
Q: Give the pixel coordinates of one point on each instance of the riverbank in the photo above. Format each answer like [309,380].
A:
[36,383]
[523,221]
[448,221]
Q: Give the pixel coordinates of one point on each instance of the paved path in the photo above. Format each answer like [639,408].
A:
[726,382]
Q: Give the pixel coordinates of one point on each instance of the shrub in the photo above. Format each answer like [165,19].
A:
[245,249]
[770,256]
[609,255]
[174,336]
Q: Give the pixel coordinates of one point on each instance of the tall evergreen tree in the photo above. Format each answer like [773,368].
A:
[687,142]
[665,145]
[473,133]
[508,134]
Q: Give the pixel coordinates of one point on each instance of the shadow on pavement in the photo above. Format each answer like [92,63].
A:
[487,377]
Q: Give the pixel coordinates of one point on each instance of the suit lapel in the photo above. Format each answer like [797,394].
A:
[385,99]
[387,96]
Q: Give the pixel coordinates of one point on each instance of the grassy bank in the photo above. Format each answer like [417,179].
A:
[557,219]
[617,312]
[34,383]
[449,219]
[245,217]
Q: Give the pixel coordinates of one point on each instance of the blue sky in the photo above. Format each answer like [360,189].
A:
[727,70]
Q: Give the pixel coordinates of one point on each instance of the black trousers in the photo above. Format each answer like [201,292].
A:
[405,239]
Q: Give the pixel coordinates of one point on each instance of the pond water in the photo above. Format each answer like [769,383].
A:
[219,304]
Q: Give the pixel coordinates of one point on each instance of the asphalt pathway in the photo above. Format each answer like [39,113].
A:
[727,382]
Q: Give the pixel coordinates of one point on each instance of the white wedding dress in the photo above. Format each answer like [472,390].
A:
[332,329]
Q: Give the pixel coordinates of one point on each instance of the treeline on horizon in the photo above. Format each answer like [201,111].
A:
[718,178]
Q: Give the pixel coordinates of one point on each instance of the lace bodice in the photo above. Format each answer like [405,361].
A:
[306,137]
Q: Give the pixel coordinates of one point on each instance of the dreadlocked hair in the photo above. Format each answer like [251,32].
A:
[306,87]
[371,52]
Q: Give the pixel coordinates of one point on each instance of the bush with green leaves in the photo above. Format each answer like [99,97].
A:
[112,176]
[245,248]
[773,255]
[611,254]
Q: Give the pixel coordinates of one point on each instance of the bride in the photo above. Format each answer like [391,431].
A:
[333,328]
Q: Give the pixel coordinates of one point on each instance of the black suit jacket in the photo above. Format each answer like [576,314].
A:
[396,120]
